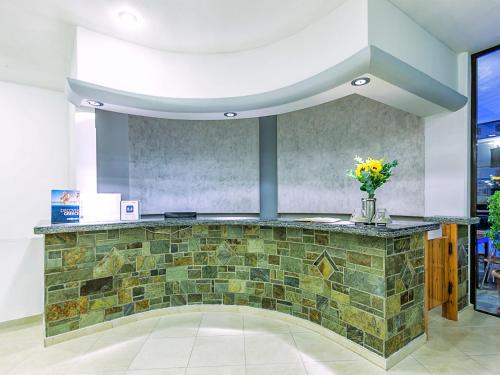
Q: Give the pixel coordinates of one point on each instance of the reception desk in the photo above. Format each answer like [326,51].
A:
[365,285]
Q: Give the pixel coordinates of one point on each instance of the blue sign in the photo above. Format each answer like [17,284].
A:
[65,206]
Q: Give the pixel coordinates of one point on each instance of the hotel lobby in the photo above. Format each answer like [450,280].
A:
[231,187]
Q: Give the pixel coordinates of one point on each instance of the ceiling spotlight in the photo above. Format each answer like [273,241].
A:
[94,103]
[360,81]
[230,114]
[127,18]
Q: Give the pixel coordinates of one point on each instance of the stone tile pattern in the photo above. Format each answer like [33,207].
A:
[463,266]
[368,289]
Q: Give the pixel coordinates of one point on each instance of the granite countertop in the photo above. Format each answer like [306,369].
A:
[395,229]
[462,220]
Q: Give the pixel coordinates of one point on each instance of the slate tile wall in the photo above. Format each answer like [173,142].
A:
[367,289]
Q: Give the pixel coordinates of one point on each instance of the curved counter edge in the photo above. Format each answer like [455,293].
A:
[460,220]
[395,229]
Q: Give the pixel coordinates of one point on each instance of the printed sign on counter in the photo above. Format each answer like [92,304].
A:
[130,211]
[65,206]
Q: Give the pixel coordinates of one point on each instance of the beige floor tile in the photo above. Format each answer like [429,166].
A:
[296,369]
[314,347]
[183,325]
[25,338]
[110,354]
[164,353]
[438,345]
[453,366]
[168,371]
[473,340]
[468,318]
[10,360]
[257,324]
[342,368]
[218,370]
[159,346]
[47,362]
[490,362]
[271,349]
[132,330]
[218,351]
[55,359]
[221,324]
[408,366]
[294,328]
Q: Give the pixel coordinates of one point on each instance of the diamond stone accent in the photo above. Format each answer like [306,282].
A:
[224,253]
[407,274]
[326,265]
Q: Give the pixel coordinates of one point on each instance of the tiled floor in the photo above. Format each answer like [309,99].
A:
[234,344]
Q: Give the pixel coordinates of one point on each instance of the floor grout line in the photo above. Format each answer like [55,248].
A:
[297,348]
[144,343]
[244,342]
[194,342]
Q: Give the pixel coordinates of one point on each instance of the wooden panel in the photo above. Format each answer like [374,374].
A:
[450,308]
[437,272]
[426,281]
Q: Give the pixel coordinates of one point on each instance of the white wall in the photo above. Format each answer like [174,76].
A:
[447,155]
[396,33]
[84,151]
[34,159]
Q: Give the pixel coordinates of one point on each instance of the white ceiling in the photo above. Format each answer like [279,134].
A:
[36,36]
[189,25]
[464,25]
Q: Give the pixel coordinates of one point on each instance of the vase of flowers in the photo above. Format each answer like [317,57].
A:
[371,174]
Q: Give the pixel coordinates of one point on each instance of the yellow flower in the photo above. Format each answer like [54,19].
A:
[375,165]
[360,168]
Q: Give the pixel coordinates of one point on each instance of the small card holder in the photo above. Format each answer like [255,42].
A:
[180,215]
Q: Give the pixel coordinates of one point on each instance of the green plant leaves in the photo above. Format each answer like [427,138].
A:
[494,217]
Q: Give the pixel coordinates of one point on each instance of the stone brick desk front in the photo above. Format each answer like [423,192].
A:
[365,285]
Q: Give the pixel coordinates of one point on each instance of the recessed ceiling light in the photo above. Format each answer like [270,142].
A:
[127,18]
[360,81]
[230,114]
[94,103]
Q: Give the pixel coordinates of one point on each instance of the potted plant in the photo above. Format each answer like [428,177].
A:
[494,218]
[492,234]
[371,174]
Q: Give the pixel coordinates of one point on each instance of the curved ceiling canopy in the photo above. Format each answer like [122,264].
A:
[311,67]
[370,61]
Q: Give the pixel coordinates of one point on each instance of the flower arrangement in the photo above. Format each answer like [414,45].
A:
[372,173]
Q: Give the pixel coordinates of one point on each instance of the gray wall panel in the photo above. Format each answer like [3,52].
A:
[112,148]
[203,166]
[317,145]
[268,133]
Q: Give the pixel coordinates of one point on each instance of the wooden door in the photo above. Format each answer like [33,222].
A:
[441,273]
[437,272]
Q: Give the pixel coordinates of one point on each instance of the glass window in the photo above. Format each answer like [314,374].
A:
[486,123]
